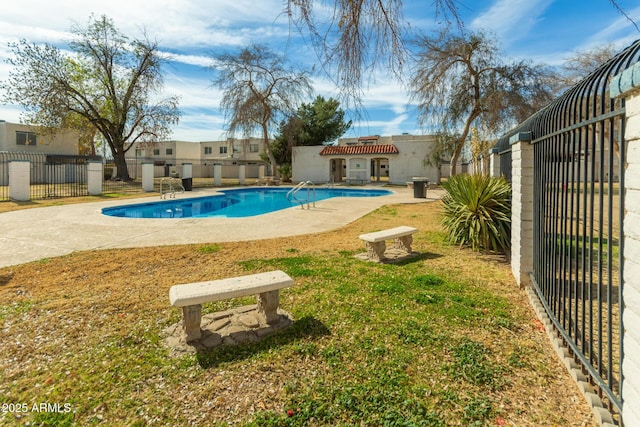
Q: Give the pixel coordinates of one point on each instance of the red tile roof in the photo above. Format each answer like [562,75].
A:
[358,149]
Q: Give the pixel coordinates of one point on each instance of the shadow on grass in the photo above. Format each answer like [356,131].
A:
[306,327]
[414,257]
[5,279]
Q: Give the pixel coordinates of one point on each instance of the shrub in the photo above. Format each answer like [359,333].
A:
[478,212]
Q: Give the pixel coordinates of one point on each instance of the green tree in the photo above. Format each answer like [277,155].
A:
[87,133]
[110,82]
[461,80]
[258,90]
[317,123]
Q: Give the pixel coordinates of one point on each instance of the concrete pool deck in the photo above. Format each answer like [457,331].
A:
[33,234]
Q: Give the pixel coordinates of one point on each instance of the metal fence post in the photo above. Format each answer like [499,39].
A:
[626,85]
[522,208]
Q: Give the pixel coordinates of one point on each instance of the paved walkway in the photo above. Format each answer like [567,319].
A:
[32,234]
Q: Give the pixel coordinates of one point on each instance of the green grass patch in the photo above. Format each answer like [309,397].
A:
[15,309]
[209,249]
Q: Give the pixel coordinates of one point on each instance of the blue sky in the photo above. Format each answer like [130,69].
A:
[543,31]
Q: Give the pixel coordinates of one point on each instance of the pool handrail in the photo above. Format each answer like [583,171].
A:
[171,191]
[292,194]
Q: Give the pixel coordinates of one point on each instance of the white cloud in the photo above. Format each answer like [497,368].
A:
[510,20]
[203,61]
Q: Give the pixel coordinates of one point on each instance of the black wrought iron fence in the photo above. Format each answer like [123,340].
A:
[505,163]
[51,175]
[111,184]
[579,157]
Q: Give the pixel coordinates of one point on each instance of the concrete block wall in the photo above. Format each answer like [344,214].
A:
[494,164]
[19,180]
[95,175]
[522,208]
[627,86]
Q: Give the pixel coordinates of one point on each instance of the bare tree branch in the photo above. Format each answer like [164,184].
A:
[259,90]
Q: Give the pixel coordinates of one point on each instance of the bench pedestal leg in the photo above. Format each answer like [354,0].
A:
[191,323]
[375,250]
[403,243]
[268,306]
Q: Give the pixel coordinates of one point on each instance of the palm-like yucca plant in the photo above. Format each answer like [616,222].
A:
[478,212]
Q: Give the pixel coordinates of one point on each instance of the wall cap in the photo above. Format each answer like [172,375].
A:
[520,137]
[626,82]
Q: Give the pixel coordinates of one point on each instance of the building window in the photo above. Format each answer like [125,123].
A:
[25,138]
[208,150]
[156,151]
[169,151]
[223,150]
[237,149]
[254,148]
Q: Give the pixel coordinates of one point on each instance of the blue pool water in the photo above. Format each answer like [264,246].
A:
[232,204]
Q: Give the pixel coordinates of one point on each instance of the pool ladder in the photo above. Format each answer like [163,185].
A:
[311,194]
[174,185]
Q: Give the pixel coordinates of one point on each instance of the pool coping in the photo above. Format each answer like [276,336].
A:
[33,234]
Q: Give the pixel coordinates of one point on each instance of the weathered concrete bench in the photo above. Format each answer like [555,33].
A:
[375,242]
[191,296]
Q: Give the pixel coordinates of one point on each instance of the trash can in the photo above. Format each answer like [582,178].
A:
[419,188]
[187,183]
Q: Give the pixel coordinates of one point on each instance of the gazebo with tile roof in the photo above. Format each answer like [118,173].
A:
[367,158]
[357,158]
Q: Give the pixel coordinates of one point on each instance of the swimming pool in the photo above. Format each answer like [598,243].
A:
[235,203]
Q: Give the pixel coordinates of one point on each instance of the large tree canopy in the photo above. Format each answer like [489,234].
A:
[259,89]
[107,81]
[460,82]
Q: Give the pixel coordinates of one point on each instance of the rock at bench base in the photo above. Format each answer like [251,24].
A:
[237,326]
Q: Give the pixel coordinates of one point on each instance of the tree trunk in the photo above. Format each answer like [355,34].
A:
[267,146]
[463,137]
[121,164]
[453,167]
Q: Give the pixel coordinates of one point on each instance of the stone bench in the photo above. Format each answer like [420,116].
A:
[191,296]
[375,242]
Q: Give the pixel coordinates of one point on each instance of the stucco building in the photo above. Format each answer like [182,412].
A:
[23,138]
[230,153]
[396,159]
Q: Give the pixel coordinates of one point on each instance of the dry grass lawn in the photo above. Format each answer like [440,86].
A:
[84,330]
